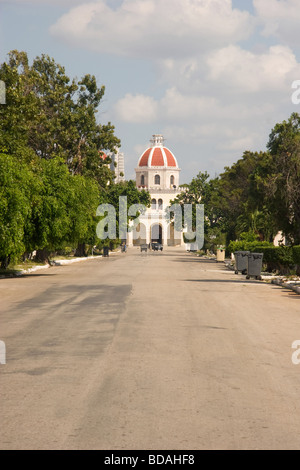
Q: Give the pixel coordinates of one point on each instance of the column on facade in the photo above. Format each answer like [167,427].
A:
[165,233]
[129,239]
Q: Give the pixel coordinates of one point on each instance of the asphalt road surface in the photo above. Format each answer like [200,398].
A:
[148,351]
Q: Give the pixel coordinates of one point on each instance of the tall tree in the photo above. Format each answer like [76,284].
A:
[54,116]
[49,126]
[239,196]
[129,190]
[82,207]
[201,190]
[282,185]
[16,187]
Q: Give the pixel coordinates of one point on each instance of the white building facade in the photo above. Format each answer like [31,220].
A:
[118,166]
[157,172]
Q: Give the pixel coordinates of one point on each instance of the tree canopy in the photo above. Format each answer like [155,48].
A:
[259,195]
[52,172]
[49,115]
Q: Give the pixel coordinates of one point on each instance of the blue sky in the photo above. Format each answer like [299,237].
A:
[213,76]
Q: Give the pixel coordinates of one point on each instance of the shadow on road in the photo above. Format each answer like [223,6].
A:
[228,281]
[293,295]
[289,293]
[196,260]
[22,276]
[84,298]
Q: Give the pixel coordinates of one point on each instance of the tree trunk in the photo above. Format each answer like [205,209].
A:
[5,260]
[42,255]
[80,250]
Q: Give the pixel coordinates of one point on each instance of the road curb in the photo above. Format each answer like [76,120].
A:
[62,262]
[278,281]
[291,285]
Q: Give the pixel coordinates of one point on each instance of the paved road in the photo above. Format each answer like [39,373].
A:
[148,351]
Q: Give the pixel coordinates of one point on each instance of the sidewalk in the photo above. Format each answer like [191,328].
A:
[62,262]
[282,281]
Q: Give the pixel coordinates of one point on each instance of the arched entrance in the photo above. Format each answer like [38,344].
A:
[157,233]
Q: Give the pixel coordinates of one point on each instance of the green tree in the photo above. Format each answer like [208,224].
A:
[49,127]
[133,195]
[54,116]
[201,190]
[21,109]
[64,210]
[282,184]
[239,197]
[193,193]
[16,183]
[82,206]
[50,221]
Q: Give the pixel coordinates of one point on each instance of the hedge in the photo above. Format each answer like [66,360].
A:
[256,247]
[296,254]
[276,258]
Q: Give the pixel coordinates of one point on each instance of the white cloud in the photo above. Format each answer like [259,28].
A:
[218,97]
[173,107]
[62,3]
[223,103]
[249,72]
[179,106]
[229,71]
[214,132]
[280,18]
[136,109]
[154,28]
[238,139]
[182,108]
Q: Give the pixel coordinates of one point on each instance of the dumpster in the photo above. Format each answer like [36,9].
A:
[220,255]
[144,247]
[241,261]
[254,265]
[105,251]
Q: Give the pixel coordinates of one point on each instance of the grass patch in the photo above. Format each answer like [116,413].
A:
[26,264]
[9,272]
[16,268]
[60,257]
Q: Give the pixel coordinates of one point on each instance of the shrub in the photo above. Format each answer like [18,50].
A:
[255,246]
[279,258]
[296,254]
[276,258]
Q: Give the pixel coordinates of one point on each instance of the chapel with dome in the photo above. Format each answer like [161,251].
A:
[158,173]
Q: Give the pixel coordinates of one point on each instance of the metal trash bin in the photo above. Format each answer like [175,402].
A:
[241,261]
[220,255]
[144,247]
[254,265]
[105,251]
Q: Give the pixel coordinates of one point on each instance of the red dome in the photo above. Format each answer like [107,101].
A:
[158,156]
[102,155]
